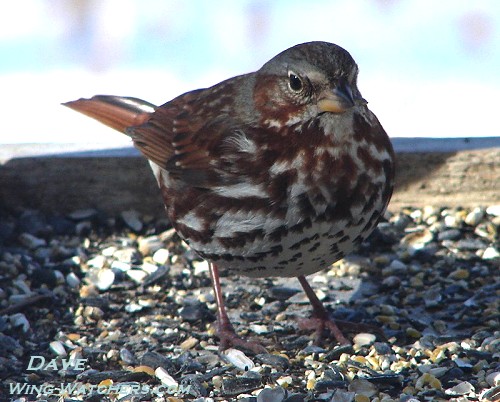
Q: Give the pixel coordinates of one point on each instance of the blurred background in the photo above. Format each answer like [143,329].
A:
[428,68]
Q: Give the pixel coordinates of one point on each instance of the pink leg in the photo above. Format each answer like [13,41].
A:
[225,330]
[321,319]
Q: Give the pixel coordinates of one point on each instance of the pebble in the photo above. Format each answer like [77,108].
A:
[104,278]
[417,240]
[200,267]
[284,381]
[493,210]
[437,281]
[20,320]
[97,262]
[279,362]
[128,255]
[363,387]
[450,234]
[165,378]
[189,343]
[133,307]
[493,379]
[58,348]
[137,275]
[149,245]
[490,253]
[161,256]
[127,356]
[240,385]
[238,359]
[474,217]
[72,280]
[397,265]
[120,266]
[462,388]
[30,241]
[343,396]
[276,394]
[364,339]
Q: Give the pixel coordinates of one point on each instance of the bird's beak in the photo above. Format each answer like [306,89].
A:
[337,100]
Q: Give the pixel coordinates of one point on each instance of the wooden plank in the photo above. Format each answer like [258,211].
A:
[65,178]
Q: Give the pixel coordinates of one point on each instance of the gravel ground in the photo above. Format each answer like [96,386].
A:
[119,309]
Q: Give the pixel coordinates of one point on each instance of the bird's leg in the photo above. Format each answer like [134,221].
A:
[225,330]
[322,320]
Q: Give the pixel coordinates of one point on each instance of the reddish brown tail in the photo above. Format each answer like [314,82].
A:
[116,112]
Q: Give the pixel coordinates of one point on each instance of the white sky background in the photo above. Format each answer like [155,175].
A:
[428,68]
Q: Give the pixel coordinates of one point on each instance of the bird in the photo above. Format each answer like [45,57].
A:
[275,173]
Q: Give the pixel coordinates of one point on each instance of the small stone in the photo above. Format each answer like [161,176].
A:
[470,244]
[493,379]
[131,219]
[155,360]
[279,362]
[165,378]
[104,279]
[97,262]
[161,256]
[58,348]
[137,275]
[492,395]
[364,339]
[452,221]
[200,267]
[413,332]
[20,320]
[282,292]
[397,266]
[72,280]
[276,394]
[127,356]
[259,329]
[133,307]
[343,396]
[427,379]
[474,217]
[149,245]
[127,255]
[490,253]
[417,240]
[120,266]
[240,385]
[30,241]
[362,387]
[238,359]
[391,282]
[462,388]
[459,274]
[450,234]
[189,343]
[285,381]
[432,297]
[493,210]
[193,312]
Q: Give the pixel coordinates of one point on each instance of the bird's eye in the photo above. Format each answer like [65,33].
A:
[295,82]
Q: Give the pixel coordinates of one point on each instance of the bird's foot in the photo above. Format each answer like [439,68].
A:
[230,339]
[325,327]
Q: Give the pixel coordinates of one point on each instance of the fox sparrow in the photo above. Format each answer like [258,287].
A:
[279,172]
